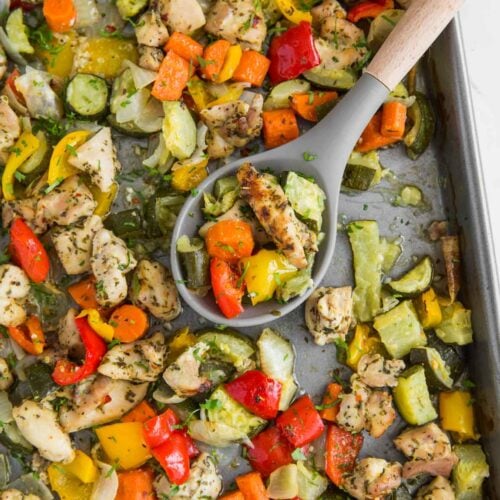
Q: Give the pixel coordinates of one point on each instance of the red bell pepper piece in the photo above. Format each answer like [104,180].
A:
[257,392]
[368,9]
[28,251]
[342,449]
[270,451]
[66,372]
[227,291]
[159,428]
[193,451]
[301,423]
[292,53]
[173,456]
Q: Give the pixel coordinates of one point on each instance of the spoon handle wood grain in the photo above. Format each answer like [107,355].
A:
[414,34]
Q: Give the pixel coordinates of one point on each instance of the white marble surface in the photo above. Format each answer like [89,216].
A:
[480,26]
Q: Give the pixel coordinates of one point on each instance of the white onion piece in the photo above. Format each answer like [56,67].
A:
[10,49]
[14,102]
[106,485]
[130,107]
[87,13]
[5,408]
[215,433]
[150,119]
[283,483]
[142,77]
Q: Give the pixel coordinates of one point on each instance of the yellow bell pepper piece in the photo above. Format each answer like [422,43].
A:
[59,168]
[67,485]
[457,414]
[124,444]
[198,91]
[231,62]
[82,467]
[233,94]
[264,272]
[107,332]
[428,309]
[291,10]
[182,339]
[59,60]
[365,341]
[25,146]
[187,177]
[104,56]
[103,200]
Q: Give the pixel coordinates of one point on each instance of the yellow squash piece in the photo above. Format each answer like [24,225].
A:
[291,10]
[198,91]
[231,62]
[103,200]
[179,343]
[233,94]
[59,60]
[187,177]
[67,485]
[264,272]
[25,146]
[456,411]
[428,309]
[365,341]
[59,168]
[107,332]
[124,444]
[82,467]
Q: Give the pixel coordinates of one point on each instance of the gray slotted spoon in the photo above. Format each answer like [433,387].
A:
[332,141]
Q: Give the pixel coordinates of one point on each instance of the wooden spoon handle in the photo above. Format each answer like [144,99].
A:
[414,34]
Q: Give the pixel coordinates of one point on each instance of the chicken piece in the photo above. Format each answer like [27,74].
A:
[150,57]
[379,413]
[375,371]
[154,289]
[140,361]
[38,425]
[66,204]
[97,157]
[238,21]
[10,127]
[327,8]
[150,29]
[270,205]
[204,482]
[329,314]
[428,449]
[14,288]
[111,260]
[351,416]
[184,16]
[11,313]
[13,494]
[372,478]
[438,489]
[183,375]
[74,244]
[27,210]
[99,400]
[6,378]
[69,336]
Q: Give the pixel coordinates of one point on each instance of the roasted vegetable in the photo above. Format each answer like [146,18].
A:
[420,135]
[470,472]
[415,281]
[437,373]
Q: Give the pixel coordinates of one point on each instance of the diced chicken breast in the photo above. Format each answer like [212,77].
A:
[97,157]
[270,205]
[438,489]
[110,261]
[379,413]
[74,244]
[99,400]
[6,378]
[342,44]
[38,425]
[10,127]
[327,8]
[11,313]
[329,314]
[27,210]
[238,21]
[373,478]
[69,336]
[184,16]
[154,289]
[352,415]
[140,361]
[375,371]
[150,57]
[150,29]
[14,288]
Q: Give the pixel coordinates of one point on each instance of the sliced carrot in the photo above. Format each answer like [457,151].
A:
[306,104]
[59,14]
[214,56]
[130,323]
[371,138]
[184,46]
[252,69]
[136,485]
[252,486]
[230,240]
[393,120]
[172,78]
[280,127]
[233,495]
[84,293]
[142,412]
[331,402]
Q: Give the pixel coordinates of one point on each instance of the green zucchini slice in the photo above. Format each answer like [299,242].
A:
[87,95]
[468,475]
[415,281]
[424,123]
[195,261]
[437,373]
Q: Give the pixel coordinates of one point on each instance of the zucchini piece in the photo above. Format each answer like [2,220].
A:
[127,128]
[225,185]
[17,32]
[437,373]
[179,129]
[381,27]
[424,123]
[195,261]
[390,251]
[39,159]
[299,284]
[451,354]
[222,408]
[412,398]
[306,198]
[126,224]
[123,86]
[226,192]
[362,171]
[365,243]
[409,196]
[456,326]
[415,281]
[343,79]
[469,473]
[161,213]
[400,330]
[39,377]
[87,96]
[130,8]
[279,97]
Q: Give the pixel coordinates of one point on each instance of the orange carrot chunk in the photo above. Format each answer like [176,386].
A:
[84,293]
[371,138]
[130,323]
[214,56]
[135,485]
[141,413]
[172,78]
[252,69]
[59,14]
[393,120]
[280,127]
[306,104]
[184,46]
[252,486]
[233,495]
[331,402]
[230,240]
